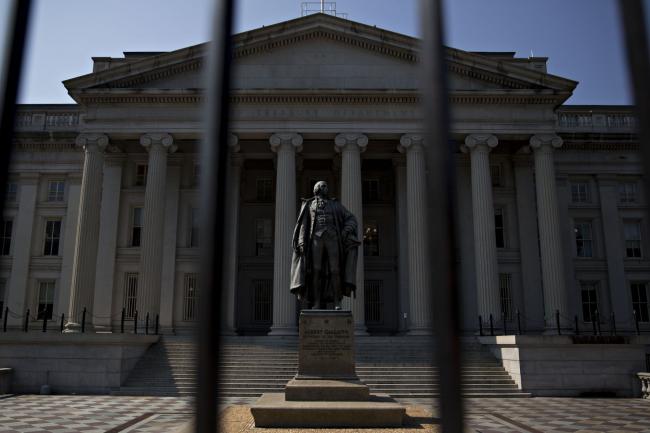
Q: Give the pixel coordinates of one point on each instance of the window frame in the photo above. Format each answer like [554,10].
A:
[11,194]
[639,302]
[190,300]
[584,240]
[50,284]
[134,226]
[264,198]
[140,179]
[368,194]
[634,256]
[129,300]
[54,241]
[58,194]
[500,211]
[624,194]
[594,287]
[259,245]
[576,195]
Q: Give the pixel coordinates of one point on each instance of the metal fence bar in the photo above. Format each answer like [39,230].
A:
[12,65]
[214,160]
[636,41]
[441,203]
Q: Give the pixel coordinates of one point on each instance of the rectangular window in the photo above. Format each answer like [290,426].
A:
[55,190]
[640,301]
[589,297]
[52,237]
[5,237]
[505,282]
[3,292]
[495,174]
[190,298]
[12,192]
[45,300]
[262,300]
[584,239]
[627,192]
[263,238]
[580,192]
[370,190]
[194,228]
[130,294]
[264,189]
[499,228]
[370,239]
[373,292]
[141,174]
[632,231]
[136,226]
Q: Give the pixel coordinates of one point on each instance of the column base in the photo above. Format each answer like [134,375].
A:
[283,330]
[360,330]
[420,331]
[75,328]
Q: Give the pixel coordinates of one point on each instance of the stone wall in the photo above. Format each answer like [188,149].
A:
[547,365]
[71,363]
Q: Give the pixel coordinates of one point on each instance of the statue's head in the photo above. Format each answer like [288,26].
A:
[321,188]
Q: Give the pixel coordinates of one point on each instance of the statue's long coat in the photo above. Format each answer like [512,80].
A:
[301,265]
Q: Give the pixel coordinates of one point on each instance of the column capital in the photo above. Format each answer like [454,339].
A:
[546,142]
[343,141]
[92,141]
[286,140]
[149,140]
[410,142]
[481,142]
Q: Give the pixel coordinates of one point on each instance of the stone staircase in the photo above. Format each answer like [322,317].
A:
[251,366]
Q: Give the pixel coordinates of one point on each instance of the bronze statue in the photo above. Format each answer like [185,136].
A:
[325,245]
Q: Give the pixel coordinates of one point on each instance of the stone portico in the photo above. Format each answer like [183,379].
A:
[549,196]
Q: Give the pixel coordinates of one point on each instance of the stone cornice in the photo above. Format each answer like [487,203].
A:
[47,147]
[103,96]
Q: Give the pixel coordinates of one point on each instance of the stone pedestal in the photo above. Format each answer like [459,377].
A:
[326,392]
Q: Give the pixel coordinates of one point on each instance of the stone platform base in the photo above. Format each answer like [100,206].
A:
[273,410]
[326,390]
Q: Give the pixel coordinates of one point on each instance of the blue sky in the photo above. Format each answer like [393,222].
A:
[581,37]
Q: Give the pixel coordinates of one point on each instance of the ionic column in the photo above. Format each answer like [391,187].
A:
[485,245]
[284,303]
[232,221]
[548,220]
[108,232]
[419,261]
[402,241]
[85,254]
[351,146]
[151,250]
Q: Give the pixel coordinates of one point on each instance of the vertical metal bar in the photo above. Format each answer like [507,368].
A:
[12,64]
[214,157]
[441,186]
[636,40]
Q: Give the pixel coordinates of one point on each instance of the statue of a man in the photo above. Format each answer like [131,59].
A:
[325,244]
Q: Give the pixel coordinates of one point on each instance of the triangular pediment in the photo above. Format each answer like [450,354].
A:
[318,52]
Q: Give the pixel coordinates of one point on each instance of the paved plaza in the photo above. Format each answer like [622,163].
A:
[72,414]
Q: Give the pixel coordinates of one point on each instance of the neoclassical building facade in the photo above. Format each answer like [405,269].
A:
[102,204]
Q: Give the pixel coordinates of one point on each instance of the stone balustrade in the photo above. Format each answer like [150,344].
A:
[645,384]
[48,119]
[589,120]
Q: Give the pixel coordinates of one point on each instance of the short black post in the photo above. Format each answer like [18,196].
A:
[491,326]
[593,322]
[613,324]
[480,325]
[62,320]
[157,322]
[505,324]
[4,323]
[122,321]
[598,323]
[146,325]
[135,322]
[575,320]
[518,322]
[557,322]
[45,322]
[26,321]
[636,322]
[83,321]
